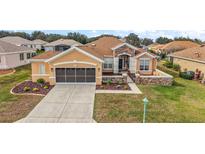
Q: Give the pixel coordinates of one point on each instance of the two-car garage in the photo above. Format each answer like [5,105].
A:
[75,75]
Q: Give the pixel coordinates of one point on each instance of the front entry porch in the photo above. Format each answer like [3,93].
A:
[123,63]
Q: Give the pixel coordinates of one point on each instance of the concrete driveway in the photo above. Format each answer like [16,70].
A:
[65,103]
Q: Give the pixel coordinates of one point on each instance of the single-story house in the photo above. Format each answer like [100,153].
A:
[88,63]
[12,56]
[37,44]
[190,59]
[61,45]
[176,46]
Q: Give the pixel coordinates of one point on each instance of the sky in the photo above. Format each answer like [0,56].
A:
[153,34]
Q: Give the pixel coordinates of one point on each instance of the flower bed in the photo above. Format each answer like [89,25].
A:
[29,87]
[113,86]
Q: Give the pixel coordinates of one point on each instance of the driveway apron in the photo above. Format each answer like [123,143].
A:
[65,103]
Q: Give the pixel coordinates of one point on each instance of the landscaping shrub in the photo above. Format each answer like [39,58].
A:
[39,51]
[109,82]
[187,75]
[176,67]
[168,64]
[35,89]
[26,89]
[45,87]
[169,71]
[41,81]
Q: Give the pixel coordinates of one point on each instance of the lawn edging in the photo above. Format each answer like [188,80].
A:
[1,75]
[33,94]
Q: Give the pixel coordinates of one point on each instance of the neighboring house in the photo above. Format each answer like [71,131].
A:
[37,44]
[61,45]
[190,59]
[177,46]
[88,63]
[155,47]
[172,46]
[12,56]
[16,40]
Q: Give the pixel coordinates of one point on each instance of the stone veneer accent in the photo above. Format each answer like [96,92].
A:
[163,79]
[115,79]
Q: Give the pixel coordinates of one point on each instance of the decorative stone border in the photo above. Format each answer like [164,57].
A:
[1,75]
[21,94]
[114,78]
[163,79]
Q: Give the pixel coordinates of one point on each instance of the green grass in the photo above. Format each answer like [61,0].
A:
[13,107]
[7,82]
[182,102]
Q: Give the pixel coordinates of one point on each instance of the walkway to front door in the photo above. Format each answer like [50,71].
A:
[65,103]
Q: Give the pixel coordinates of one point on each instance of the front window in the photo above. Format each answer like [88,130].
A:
[21,56]
[28,55]
[42,69]
[144,64]
[108,63]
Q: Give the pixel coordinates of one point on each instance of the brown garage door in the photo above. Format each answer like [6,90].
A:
[79,75]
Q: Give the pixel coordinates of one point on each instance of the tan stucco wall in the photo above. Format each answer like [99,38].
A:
[189,65]
[77,60]
[152,65]
[35,71]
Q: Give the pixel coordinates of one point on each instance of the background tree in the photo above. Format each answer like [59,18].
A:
[188,39]
[54,37]
[78,37]
[38,35]
[146,41]
[21,34]
[198,41]
[4,33]
[163,40]
[133,39]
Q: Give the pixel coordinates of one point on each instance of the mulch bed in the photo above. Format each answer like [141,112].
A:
[19,89]
[4,72]
[113,86]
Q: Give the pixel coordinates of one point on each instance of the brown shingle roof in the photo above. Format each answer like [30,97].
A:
[196,53]
[104,44]
[9,48]
[92,51]
[99,48]
[178,45]
[47,55]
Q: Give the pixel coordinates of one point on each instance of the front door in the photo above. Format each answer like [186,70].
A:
[120,63]
[123,62]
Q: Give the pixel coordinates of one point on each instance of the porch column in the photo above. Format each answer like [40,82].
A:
[116,65]
[132,64]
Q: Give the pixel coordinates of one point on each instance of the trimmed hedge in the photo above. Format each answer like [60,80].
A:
[187,75]
[41,81]
[169,71]
[176,67]
[168,64]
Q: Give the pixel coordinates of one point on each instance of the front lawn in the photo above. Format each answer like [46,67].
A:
[14,107]
[182,102]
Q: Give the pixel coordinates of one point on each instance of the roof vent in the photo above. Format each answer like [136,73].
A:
[197,54]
